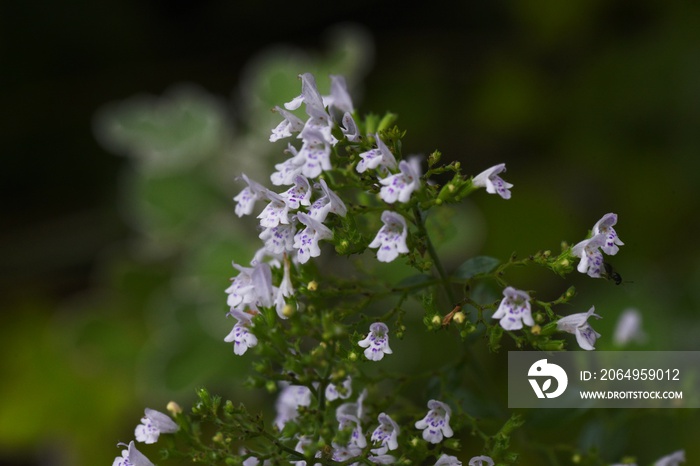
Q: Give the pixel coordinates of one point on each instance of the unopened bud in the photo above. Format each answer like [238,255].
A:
[536,329]
[288,310]
[436,321]
[312,285]
[459,317]
[174,408]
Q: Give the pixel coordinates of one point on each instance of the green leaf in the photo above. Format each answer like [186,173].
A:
[475,266]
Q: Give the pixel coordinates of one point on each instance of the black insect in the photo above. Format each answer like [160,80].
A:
[610,273]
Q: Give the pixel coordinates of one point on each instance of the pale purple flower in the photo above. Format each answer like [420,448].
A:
[436,424]
[447,460]
[674,459]
[131,457]
[276,211]
[578,325]
[481,461]
[241,336]
[279,239]
[306,241]
[288,170]
[382,459]
[345,452]
[401,185]
[332,393]
[493,183]
[285,290]
[386,435]
[340,97]
[357,438]
[350,129]
[313,100]
[245,200]
[299,194]
[374,158]
[391,238]
[604,227]
[251,286]
[376,342]
[514,309]
[315,152]
[290,124]
[629,328]
[353,409]
[329,202]
[152,425]
[288,403]
[591,256]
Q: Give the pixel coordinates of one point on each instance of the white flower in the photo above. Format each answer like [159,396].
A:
[391,238]
[481,461]
[376,342]
[332,393]
[289,169]
[401,185]
[241,336]
[604,227]
[514,310]
[245,200]
[306,241]
[315,107]
[629,328]
[276,211]
[493,183]
[674,459]
[315,152]
[340,97]
[299,194]
[353,409]
[279,239]
[349,128]
[290,124]
[345,452]
[289,401]
[152,425]
[591,256]
[436,424]
[329,202]
[447,460]
[131,457]
[357,438]
[382,459]
[577,324]
[251,286]
[379,157]
[386,435]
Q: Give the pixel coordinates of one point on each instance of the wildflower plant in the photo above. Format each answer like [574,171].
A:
[315,321]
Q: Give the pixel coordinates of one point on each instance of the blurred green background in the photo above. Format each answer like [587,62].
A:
[113,268]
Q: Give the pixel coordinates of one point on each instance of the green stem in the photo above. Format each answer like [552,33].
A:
[444,278]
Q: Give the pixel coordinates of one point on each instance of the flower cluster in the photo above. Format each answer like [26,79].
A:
[293,221]
[351,416]
[603,240]
[152,425]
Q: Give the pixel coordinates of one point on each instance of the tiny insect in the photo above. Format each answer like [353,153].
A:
[610,273]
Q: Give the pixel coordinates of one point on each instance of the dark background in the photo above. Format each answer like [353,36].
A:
[594,106]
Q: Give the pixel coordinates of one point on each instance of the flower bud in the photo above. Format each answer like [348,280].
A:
[312,285]
[459,317]
[174,408]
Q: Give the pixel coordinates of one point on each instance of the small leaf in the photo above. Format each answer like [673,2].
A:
[475,266]
[546,385]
